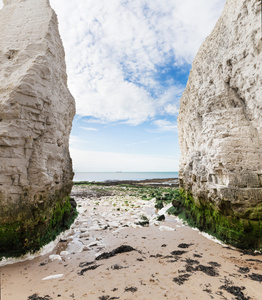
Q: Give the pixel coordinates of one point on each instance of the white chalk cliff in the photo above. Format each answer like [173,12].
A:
[36,113]
[220,116]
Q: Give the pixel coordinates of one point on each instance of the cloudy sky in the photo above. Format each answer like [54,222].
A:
[128,62]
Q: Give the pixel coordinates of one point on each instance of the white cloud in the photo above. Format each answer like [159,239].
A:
[90,161]
[164,125]
[75,141]
[114,49]
[171,109]
[89,128]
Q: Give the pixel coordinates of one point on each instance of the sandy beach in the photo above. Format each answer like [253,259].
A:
[107,254]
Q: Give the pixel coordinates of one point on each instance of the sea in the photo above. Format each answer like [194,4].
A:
[104,176]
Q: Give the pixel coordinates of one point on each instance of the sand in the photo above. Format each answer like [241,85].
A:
[176,262]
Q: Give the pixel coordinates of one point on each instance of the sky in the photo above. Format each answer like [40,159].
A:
[128,62]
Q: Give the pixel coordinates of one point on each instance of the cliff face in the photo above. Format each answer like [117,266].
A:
[36,113]
[220,125]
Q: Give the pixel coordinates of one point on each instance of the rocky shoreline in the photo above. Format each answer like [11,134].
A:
[119,248]
[156,182]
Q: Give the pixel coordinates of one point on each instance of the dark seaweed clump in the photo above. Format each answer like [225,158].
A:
[178,252]
[132,289]
[181,279]
[37,297]
[107,298]
[256,277]
[121,249]
[236,291]
[183,245]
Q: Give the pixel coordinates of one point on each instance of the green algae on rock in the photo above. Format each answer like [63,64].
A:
[222,223]
[30,233]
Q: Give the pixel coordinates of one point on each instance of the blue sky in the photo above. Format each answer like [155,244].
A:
[128,62]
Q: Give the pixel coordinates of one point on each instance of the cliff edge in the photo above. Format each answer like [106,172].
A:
[36,114]
[220,129]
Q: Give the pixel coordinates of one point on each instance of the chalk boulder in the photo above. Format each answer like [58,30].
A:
[220,127]
[36,113]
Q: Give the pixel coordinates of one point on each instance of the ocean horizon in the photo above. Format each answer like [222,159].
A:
[104,176]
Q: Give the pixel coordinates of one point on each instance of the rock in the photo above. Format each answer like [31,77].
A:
[96,228]
[36,113]
[220,126]
[54,257]
[161,218]
[56,276]
[83,229]
[64,253]
[166,228]
[85,234]
[92,244]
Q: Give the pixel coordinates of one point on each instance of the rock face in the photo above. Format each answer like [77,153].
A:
[220,127]
[36,113]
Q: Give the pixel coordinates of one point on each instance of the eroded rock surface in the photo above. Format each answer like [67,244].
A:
[220,122]
[36,113]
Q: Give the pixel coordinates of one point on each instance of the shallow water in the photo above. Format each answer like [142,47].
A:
[103,176]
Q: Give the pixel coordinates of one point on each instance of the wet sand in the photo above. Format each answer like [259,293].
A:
[106,255]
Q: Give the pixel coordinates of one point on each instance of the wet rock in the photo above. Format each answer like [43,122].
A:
[161,218]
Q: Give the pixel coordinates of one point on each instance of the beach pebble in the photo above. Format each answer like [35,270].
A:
[92,244]
[96,228]
[166,228]
[64,253]
[156,223]
[54,257]
[53,277]
[85,234]
[136,226]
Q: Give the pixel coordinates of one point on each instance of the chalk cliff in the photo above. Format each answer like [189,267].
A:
[36,113]
[220,128]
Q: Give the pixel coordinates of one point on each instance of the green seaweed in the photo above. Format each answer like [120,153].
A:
[231,229]
[44,224]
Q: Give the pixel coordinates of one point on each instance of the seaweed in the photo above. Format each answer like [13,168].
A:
[37,225]
[256,277]
[121,249]
[131,289]
[210,271]
[181,279]
[218,221]
[183,245]
[88,269]
[37,297]
[178,252]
